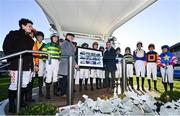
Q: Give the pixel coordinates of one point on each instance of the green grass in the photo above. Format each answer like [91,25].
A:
[5,80]
[160,86]
[4,83]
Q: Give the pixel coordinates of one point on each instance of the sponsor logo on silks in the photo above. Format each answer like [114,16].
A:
[166,58]
[152,57]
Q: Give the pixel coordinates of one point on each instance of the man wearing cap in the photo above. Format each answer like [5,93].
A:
[17,41]
[152,66]
[140,59]
[76,70]
[39,61]
[61,41]
[52,66]
[166,60]
[67,50]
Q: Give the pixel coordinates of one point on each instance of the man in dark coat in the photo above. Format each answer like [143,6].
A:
[17,41]
[110,64]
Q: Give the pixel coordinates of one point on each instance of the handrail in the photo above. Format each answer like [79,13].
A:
[5,65]
[23,52]
[19,77]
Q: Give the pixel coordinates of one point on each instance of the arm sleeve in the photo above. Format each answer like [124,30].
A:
[174,60]
[134,55]
[8,44]
[145,56]
[35,55]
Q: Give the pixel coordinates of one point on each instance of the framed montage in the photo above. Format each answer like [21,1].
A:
[90,58]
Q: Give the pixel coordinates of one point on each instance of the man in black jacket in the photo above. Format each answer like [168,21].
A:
[110,65]
[16,41]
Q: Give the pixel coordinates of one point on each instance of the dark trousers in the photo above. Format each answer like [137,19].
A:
[63,85]
[112,79]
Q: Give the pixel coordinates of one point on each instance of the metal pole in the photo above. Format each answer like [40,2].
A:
[122,79]
[70,81]
[125,69]
[123,76]
[19,83]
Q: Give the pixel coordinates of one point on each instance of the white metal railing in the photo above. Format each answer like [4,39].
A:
[19,81]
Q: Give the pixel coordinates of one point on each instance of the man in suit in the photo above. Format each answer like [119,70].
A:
[110,64]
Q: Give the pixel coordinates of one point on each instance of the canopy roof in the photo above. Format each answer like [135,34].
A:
[92,17]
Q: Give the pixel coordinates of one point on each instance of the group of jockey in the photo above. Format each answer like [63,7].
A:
[47,69]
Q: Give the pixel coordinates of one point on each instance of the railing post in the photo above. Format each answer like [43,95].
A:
[124,75]
[19,82]
[70,81]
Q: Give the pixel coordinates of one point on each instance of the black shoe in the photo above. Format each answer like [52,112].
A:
[92,89]
[12,108]
[23,104]
[41,93]
[74,90]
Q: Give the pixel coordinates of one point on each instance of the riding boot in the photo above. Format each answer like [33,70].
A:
[97,83]
[22,102]
[149,84]
[131,82]
[12,97]
[100,84]
[80,85]
[165,86]
[74,90]
[137,80]
[143,84]
[104,83]
[91,83]
[171,86]
[155,87]
[86,82]
[40,79]
[55,86]
[48,86]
